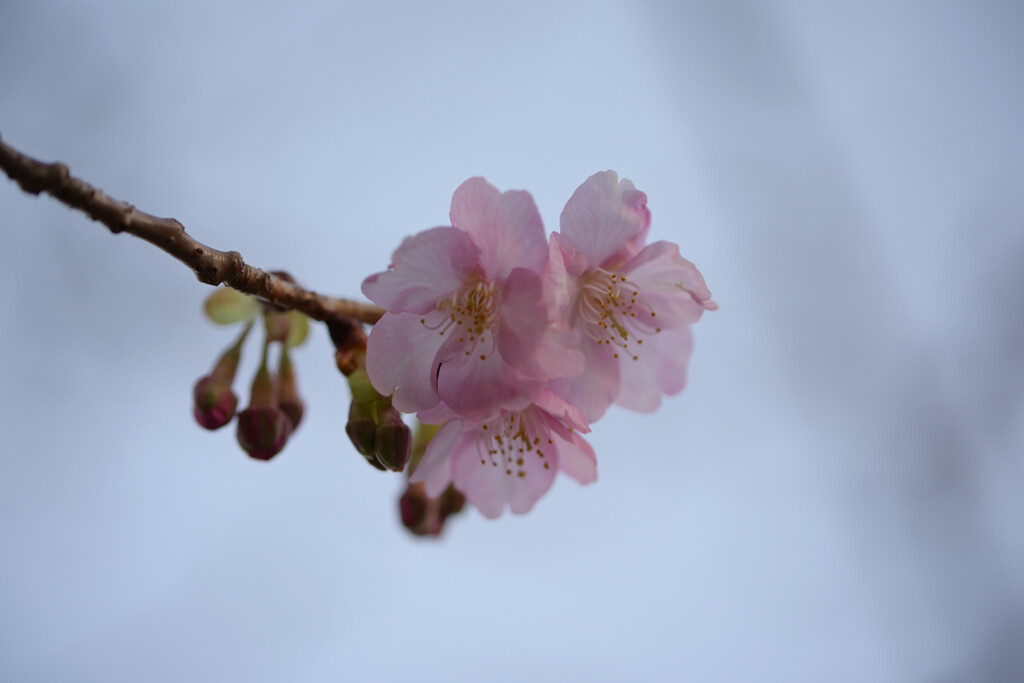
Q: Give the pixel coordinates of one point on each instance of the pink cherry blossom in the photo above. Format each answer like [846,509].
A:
[511,460]
[632,304]
[468,318]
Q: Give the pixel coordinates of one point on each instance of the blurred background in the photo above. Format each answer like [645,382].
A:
[837,496]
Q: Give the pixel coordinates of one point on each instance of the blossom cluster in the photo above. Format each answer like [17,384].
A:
[516,342]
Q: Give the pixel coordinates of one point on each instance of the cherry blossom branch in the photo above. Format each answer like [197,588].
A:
[211,266]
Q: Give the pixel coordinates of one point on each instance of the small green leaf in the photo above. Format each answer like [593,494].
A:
[227,306]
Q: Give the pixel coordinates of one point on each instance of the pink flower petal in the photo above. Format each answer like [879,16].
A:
[527,490]
[480,485]
[527,341]
[558,355]
[426,268]
[438,415]
[669,285]
[478,384]
[659,369]
[605,220]
[435,468]
[400,359]
[490,481]
[576,457]
[558,281]
[524,318]
[507,227]
[560,409]
[510,461]
[595,389]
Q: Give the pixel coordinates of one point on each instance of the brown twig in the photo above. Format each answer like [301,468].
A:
[211,266]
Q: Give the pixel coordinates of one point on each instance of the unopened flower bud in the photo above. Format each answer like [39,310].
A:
[214,402]
[362,431]
[414,507]
[452,502]
[288,398]
[263,428]
[263,431]
[425,516]
[393,440]
[378,433]
[375,428]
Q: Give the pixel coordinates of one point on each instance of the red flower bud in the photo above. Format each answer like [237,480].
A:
[425,516]
[263,431]
[452,502]
[414,507]
[214,401]
[263,428]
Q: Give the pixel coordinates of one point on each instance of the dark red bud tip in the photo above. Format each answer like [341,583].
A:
[419,513]
[214,402]
[413,509]
[214,419]
[393,445]
[452,502]
[425,516]
[263,431]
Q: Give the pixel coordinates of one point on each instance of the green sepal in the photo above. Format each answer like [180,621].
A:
[298,330]
[227,306]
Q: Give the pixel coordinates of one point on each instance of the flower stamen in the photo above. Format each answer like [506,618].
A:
[608,306]
[473,310]
[508,441]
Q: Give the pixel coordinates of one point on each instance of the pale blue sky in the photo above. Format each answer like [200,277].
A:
[836,496]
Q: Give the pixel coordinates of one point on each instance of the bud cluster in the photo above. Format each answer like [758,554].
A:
[375,428]
[275,407]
